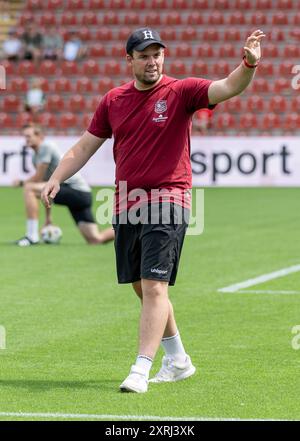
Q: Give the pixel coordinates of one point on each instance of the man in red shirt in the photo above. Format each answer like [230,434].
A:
[150,119]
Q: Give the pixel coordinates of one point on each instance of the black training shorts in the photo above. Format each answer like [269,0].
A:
[150,250]
[78,202]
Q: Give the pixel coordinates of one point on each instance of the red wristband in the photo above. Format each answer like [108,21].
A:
[251,66]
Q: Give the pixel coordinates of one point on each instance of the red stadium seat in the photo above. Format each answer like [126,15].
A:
[248,121]
[296,19]
[270,121]
[199,68]
[55,103]
[69,68]
[179,4]
[116,4]
[97,50]
[47,119]
[194,18]
[291,51]
[34,4]
[92,103]
[27,67]
[23,118]
[227,51]
[282,85]
[277,35]
[270,51]
[118,50]
[255,103]
[132,18]
[75,4]
[25,18]
[104,33]
[225,121]
[45,85]
[47,19]
[200,4]
[177,67]
[104,85]
[123,33]
[11,103]
[215,18]
[84,85]
[96,4]
[258,18]
[168,34]
[189,33]
[112,67]
[183,50]
[260,85]
[84,34]
[285,68]
[86,119]
[76,104]
[234,105]
[111,18]
[277,104]
[55,4]
[172,18]
[47,68]
[295,34]
[90,67]
[221,68]
[89,19]
[210,34]
[18,84]
[221,4]
[9,67]
[206,50]
[295,104]
[68,121]
[280,18]
[236,18]
[68,19]
[6,121]
[232,35]
[292,121]
[285,4]
[138,4]
[243,5]
[264,4]
[265,69]
[152,18]
[159,4]
[62,85]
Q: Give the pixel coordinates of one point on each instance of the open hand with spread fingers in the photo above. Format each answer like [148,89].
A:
[252,47]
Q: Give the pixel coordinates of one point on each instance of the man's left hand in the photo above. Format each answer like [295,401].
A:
[252,47]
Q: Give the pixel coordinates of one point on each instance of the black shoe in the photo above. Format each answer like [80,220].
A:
[25,242]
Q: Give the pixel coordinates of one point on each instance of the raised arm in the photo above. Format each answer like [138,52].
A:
[71,163]
[241,77]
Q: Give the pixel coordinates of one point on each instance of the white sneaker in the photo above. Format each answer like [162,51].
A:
[136,381]
[173,370]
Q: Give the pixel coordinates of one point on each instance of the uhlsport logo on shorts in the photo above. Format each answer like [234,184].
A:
[2,78]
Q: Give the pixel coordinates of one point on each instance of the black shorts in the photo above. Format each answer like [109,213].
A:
[150,250]
[78,202]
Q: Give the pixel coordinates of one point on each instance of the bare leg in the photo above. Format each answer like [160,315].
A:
[171,327]
[154,316]
[31,195]
[93,236]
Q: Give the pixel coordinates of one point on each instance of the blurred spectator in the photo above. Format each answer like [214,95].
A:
[35,97]
[202,121]
[4,11]
[52,45]
[12,47]
[73,49]
[32,40]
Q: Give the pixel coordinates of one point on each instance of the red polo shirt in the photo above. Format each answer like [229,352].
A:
[151,130]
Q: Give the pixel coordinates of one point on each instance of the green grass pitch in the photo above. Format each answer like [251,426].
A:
[72,331]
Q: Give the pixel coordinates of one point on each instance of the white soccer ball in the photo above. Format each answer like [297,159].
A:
[51,234]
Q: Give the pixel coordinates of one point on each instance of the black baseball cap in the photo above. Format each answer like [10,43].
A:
[142,38]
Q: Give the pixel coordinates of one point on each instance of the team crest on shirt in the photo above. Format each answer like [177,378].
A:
[160,108]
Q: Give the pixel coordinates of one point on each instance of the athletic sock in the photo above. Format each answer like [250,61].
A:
[145,363]
[173,347]
[32,231]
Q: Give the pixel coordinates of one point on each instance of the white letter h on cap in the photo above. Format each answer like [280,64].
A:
[147,35]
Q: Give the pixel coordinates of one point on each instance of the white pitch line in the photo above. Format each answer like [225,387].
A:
[267,292]
[261,279]
[81,416]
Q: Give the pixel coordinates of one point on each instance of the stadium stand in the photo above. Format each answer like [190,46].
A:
[204,38]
